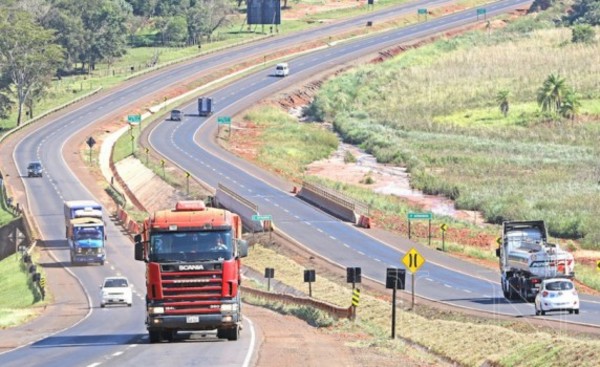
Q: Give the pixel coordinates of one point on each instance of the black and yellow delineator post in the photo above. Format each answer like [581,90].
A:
[43,286]
[355,301]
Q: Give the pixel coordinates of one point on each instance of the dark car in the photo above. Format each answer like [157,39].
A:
[34,169]
[176,115]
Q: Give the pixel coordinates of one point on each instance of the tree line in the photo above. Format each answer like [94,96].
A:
[45,39]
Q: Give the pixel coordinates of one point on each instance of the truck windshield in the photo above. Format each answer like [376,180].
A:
[88,233]
[191,246]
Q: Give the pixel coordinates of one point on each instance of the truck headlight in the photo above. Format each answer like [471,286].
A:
[156,310]
[229,307]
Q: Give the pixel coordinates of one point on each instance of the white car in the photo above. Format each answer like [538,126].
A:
[282,69]
[115,290]
[557,294]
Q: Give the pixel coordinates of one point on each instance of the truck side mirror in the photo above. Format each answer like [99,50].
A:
[139,251]
[498,252]
[242,248]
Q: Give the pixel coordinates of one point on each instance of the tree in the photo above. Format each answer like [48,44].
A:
[586,11]
[206,16]
[105,30]
[570,106]
[583,33]
[502,99]
[28,54]
[550,95]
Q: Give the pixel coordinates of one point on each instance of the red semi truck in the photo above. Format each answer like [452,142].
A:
[193,265]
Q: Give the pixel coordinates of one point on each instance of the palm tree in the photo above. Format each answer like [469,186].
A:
[570,106]
[550,95]
[502,99]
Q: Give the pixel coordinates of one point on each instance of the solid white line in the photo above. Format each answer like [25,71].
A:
[252,344]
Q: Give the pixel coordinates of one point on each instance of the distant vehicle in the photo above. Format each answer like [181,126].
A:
[85,231]
[526,259]
[115,290]
[205,106]
[282,69]
[34,169]
[176,115]
[557,294]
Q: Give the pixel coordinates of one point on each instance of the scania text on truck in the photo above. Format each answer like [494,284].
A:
[85,231]
[526,258]
[193,265]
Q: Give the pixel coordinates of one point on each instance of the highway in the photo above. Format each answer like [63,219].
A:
[117,335]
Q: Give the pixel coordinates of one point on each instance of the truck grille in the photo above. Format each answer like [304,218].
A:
[189,292]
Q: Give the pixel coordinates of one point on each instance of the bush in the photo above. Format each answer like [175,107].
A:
[583,33]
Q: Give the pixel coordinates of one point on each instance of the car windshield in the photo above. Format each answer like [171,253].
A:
[191,246]
[34,166]
[559,286]
[115,283]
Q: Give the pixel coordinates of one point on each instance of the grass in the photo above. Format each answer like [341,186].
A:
[18,294]
[496,342]
[433,110]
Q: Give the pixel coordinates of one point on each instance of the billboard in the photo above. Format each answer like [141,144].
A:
[263,12]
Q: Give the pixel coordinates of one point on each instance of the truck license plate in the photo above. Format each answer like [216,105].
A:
[192,319]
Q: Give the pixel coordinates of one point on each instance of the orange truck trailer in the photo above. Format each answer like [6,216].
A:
[192,257]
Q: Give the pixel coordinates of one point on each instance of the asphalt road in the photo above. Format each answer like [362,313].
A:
[118,335]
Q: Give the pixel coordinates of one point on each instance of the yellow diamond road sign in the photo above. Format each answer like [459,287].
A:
[413,260]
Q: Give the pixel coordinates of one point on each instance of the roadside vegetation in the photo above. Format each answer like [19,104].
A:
[18,293]
[503,120]
[482,342]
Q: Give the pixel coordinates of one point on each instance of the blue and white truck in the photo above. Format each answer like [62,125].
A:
[85,231]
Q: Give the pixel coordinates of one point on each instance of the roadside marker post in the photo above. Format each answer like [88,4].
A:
[394,279]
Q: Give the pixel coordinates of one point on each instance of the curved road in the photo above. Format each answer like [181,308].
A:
[117,335]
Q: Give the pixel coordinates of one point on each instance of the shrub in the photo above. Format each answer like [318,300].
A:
[583,33]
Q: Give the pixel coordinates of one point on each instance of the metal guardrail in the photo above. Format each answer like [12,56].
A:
[237,197]
[334,311]
[343,200]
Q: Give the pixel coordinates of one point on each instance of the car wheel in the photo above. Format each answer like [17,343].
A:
[102,305]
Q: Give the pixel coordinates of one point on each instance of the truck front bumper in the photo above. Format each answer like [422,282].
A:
[192,322]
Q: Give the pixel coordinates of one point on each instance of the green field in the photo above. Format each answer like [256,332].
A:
[18,293]
[433,110]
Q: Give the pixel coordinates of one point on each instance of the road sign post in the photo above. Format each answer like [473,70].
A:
[444,228]
[394,279]
[413,261]
[413,216]
[481,12]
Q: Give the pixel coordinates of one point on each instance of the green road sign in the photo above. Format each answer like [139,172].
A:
[420,216]
[134,119]
[257,217]
[224,120]
[422,11]
[480,11]
[413,260]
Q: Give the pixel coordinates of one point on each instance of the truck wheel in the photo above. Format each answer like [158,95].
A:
[155,336]
[542,312]
[577,312]
[169,335]
[222,333]
[234,333]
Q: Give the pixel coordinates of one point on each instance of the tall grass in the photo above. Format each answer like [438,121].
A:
[433,110]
